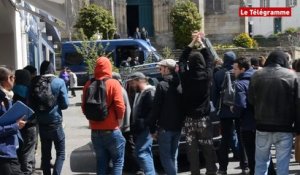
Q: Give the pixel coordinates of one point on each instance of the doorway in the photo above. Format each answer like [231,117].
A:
[133,16]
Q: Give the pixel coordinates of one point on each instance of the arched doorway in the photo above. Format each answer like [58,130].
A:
[139,14]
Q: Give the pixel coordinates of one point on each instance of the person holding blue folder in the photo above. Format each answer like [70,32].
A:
[10,137]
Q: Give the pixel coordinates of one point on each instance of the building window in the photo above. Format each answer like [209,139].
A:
[213,6]
[277,25]
[291,3]
[265,3]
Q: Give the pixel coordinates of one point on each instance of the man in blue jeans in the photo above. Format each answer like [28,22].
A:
[167,106]
[142,107]
[274,92]
[50,120]
[107,139]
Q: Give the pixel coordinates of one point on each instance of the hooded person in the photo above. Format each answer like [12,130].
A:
[229,122]
[50,120]
[195,71]
[21,87]
[274,93]
[106,135]
[27,150]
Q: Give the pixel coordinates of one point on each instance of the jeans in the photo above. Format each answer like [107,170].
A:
[283,145]
[55,134]
[248,140]
[26,153]
[109,145]
[168,142]
[199,132]
[227,126]
[143,146]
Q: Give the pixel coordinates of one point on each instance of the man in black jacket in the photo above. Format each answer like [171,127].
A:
[195,71]
[275,94]
[167,117]
[142,107]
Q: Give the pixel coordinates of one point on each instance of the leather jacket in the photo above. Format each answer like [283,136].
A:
[275,94]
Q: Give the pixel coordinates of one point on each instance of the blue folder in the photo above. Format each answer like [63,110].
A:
[17,111]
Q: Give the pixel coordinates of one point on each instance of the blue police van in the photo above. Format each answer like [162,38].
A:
[119,49]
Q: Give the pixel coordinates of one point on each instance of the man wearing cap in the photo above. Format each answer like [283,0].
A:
[142,107]
[167,116]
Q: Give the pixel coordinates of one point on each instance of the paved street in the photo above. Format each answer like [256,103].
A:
[78,134]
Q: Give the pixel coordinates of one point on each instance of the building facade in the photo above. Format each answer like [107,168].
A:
[25,38]
[220,19]
[271,25]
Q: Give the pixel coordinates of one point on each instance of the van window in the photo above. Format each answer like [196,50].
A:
[73,59]
[124,52]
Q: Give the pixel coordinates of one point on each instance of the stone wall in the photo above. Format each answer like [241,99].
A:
[221,27]
[262,51]
[162,25]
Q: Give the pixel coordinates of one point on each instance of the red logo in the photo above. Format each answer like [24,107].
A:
[265,12]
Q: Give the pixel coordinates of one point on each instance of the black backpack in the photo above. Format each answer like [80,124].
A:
[95,101]
[41,94]
[228,89]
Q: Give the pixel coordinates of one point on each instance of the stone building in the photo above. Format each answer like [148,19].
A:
[220,18]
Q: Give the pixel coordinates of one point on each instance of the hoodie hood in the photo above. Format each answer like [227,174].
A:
[103,68]
[277,58]
[196,61]
[47,68]
[228,59]
[23,77]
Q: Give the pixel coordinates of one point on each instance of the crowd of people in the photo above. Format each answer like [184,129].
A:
[47,95]
[257,101]
[262,112]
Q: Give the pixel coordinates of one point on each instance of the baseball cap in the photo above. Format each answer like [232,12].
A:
[168,63]
[136,75]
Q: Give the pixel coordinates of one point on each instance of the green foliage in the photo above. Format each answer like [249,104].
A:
[95,19]
[244,40]
[90,50]
[291,30]
[167,53]
[185,19]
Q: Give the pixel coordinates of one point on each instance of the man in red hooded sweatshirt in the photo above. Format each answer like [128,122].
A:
[106,136]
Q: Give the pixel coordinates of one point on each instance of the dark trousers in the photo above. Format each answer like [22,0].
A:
[26,153]
[10,167]
[199,133]
[49,135]
[248,140]
[227,126]
[73,92]
[131,163]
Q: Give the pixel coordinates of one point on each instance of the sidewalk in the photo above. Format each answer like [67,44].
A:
[76,132]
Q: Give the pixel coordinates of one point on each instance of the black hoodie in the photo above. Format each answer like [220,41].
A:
[195,69]
[167,110]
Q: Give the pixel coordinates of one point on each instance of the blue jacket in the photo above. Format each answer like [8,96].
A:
[242,108]
[9,134]
[59,90]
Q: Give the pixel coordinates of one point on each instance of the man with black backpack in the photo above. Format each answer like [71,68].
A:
[48,97]
[103,105]
[223,98]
